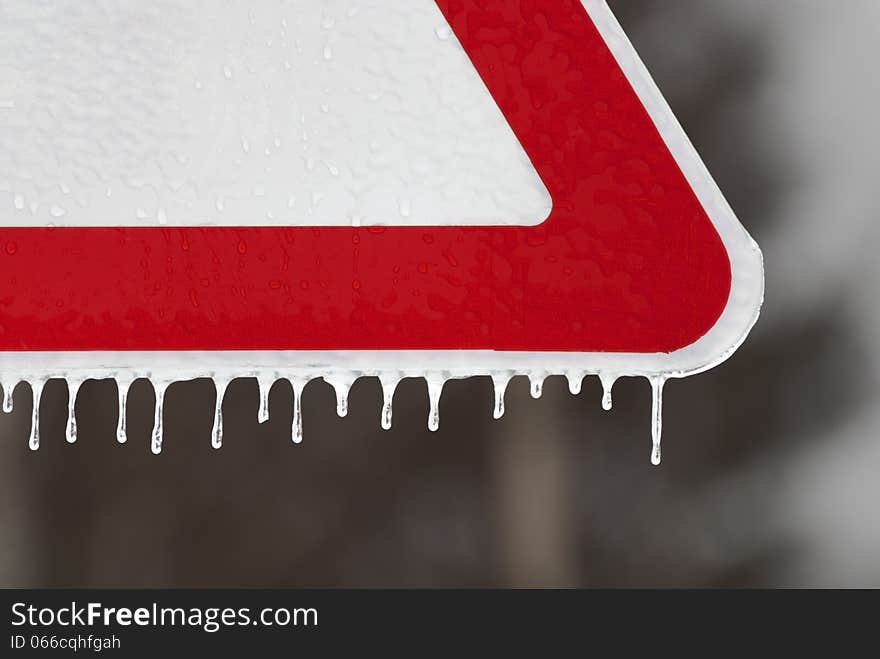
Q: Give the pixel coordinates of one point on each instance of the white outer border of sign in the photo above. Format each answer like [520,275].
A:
[717,345]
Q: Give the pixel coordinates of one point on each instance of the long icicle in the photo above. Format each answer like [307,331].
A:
[575,382]
[657,383]
[72,392]
[158,419]
[37,389]
[122,387]
[296,429]
[217,429]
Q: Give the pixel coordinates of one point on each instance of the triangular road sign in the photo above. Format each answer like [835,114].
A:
[583,236]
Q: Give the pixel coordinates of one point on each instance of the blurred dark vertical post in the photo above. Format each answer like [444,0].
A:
[532,472]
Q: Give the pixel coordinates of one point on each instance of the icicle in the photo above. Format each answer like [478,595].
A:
[265,385]
[388,388]
[217,429]
[72,391]
[537,385]
[657,383]
[500,383]
[342,388]
[122,393]
[8,389]
[159,409]
[435,390]
[607,385]
[37,389]
[296,432]
[575,382]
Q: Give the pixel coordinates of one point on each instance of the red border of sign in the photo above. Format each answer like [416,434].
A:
[627,262]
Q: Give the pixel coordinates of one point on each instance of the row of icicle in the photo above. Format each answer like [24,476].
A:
[435,389]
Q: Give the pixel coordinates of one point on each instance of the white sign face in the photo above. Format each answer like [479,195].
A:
[250,113]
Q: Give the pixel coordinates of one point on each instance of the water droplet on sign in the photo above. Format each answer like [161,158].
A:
[405,207]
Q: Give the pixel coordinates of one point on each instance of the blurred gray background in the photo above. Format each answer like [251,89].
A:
[770,461]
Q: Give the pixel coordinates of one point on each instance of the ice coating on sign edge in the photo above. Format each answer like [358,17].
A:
[435,384]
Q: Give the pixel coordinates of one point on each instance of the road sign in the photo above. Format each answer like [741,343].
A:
[314,189]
